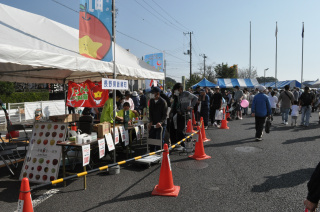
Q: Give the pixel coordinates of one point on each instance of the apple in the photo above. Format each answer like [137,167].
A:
[48,161]
[54,134]
[45,142]
[46,169]
[41,134]
[30,175]
[49,126]
[55,162]
[43,126]
[63,127]
[32,168]
[52,178]
[37,126]
[26,167]
[39,141]
[37,176]
[60,135]
[47,134]
[41,160]
[39,168]
[55,126]
[53,170]
[44,177]
[52,142]
[34,160]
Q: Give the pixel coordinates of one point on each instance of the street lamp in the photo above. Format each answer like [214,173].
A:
[265,75]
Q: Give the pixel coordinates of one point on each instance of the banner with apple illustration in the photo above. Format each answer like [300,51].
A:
[155,60]
[95,29]
[86,94]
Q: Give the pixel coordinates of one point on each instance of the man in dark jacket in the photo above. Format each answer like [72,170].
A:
[157,114]
[261,108]
[313,197]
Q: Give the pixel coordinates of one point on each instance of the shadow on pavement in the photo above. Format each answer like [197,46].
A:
[9,191]
[287,180]
[235,142]
[302,139]
[126,198]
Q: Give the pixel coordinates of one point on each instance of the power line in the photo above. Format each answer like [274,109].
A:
[155,15]
[170,15]
[163,16]
[65,6]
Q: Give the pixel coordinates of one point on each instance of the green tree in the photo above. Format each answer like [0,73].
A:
[6,88]
[224,71]
[261,80]
[195,78]
[170,82]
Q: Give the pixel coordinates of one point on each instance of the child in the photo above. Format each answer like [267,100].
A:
[294,113]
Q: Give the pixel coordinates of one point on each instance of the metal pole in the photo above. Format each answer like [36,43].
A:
[114,75]
[302,54]
[276,54]
[190,55]
[250,51]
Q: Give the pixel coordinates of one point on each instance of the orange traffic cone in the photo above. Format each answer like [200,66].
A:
[224,121]
[228,116]
[203,133]
[166,186]
[189,127]
[25,202]
[199,153]
[194,123]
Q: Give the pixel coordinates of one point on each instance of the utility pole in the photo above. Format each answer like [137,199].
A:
[204,64]
[189,52]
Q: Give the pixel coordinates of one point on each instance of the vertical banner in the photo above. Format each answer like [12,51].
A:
[85,154]
[155,60]
[102,148]
[86,94]
[95,29]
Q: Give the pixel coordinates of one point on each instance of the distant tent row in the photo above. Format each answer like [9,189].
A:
[281,84]
[228,83]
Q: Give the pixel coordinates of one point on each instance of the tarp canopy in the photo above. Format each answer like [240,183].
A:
[281,84]
[204,83]
[232,82]
[35,49]
[312,84]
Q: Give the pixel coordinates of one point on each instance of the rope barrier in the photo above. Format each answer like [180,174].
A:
[81,174]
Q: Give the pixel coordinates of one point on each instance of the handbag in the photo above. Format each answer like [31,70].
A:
[219,115]
[268,125]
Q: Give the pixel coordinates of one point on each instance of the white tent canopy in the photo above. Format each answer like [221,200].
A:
[35,49]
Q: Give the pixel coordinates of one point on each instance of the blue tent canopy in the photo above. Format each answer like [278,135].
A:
[243,83]
[281,84]
[204,83]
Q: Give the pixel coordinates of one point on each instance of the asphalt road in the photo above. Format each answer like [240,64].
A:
[242,175]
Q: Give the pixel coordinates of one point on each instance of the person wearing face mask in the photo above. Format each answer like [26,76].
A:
[183,103]
[157,114]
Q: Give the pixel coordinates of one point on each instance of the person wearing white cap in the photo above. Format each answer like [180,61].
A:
[260,108]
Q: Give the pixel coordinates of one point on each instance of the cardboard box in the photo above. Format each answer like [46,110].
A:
[75,117]
[102,129]
[61,118]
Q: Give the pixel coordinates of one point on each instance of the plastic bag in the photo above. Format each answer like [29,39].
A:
[219,115]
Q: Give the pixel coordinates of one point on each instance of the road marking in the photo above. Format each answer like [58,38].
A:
[43,197]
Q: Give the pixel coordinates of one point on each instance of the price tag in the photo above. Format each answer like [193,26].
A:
[109,141]
[137,132]
[102,147]
[85,154]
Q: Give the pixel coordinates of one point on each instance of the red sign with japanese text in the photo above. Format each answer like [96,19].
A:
[86,94]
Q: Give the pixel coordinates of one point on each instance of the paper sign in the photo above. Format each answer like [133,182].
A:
[85,154]
[109,141]
[121,129]
[126,138]
[42,161]
[137,132]
[116,136]
[114,84]
[102,147]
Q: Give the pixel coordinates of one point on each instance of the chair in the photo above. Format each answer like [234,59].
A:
[8,151]
[21,141]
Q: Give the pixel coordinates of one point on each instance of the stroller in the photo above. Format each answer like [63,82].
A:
[233,111]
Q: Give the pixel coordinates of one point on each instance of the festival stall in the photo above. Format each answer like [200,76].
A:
[242,83]
[281,84]
[204,83]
